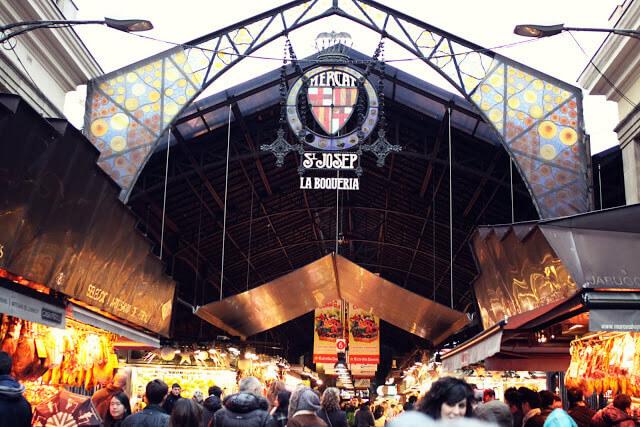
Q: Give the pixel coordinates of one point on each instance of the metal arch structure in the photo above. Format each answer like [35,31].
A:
[537,117]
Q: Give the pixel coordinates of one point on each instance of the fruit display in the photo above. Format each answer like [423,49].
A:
[79,355]
[609,363]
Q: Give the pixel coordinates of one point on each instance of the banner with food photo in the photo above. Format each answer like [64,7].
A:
[327,328]
[364,336]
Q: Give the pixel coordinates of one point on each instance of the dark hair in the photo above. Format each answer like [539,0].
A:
[156,391]
[622,401]
[215,390]
[186,413]
[283,401]
[379,412]
[413,398]
[513,398]
[574,395]
[449,390]
[6,363]
[546,398]
[124,399]
[495,412]
[531,397]
[176,385]
[488,392]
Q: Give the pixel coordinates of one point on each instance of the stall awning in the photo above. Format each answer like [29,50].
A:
[476,349]
[329,278]
[94,319]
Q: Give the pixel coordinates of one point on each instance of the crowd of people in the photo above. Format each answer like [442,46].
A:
[450,401]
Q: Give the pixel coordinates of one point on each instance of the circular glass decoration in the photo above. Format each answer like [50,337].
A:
[332,94]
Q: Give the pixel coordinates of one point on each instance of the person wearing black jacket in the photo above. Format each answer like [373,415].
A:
[172,398]
[578,409]
[246,408]
[211,404]
[14,408]
[152,415]
[330,409]
[364,416]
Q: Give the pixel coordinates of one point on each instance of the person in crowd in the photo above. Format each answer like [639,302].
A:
[617,414]
[557,402]
[198,397]
[530,408]
[272,393]
[102,398]
[304,404]
[496,412]
[363,416]
[379,418]
[449,398]
[152,415]
[119,410]
[245,408]
[330,408]
[488,395]
[513,398]
[410,404]
[172,398]
[546,403]
[559,418]
[349,409]
[15,411]
[281,411]
[578,409]
[211,404]
[186,413]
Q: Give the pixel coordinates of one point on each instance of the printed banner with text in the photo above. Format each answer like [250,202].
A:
[327,328]
[364,336]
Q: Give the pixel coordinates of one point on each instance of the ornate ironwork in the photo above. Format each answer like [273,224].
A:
[538,117]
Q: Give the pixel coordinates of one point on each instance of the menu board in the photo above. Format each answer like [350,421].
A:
[327,328]
[364,336]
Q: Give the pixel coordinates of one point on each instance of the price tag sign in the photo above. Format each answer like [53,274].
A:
[341,345]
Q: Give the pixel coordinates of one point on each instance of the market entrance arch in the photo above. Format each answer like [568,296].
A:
[537,117]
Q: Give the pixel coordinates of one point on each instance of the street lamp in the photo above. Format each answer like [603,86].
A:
[539,31]
[126,25]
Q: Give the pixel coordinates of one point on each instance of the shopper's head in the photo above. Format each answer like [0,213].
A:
[574,395]
[495,411]
[283,400]
[214,390]
[6,363]
[119,407]
[156,391]
[530,399]
[622,401]
[175,389]
[513,398]
[330,400]
[250,385]
[449,398]
[186,413]
[546,398]
[488,395]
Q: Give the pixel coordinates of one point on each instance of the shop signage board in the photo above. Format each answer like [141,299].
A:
[328,327]
[474,353]
[24,307]
[364,336]
[361,383]
[614,320]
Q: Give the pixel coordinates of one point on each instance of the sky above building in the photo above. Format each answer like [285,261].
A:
[488,24]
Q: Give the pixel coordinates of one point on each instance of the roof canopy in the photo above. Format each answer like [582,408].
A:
[331,277]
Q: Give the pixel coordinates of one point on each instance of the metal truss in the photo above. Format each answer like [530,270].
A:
[538,118]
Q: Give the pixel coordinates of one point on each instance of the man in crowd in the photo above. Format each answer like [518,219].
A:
[102,398]
[546,403]
[530,408]
[246,408]
[578,409]
[514,400]
[488,395]
[211,404]
[616,414]
[152,415]
[15,411]
[172,398]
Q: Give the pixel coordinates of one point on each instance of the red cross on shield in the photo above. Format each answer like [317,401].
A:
[332,106]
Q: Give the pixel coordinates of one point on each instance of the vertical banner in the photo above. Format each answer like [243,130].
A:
[327,328]
[364,336]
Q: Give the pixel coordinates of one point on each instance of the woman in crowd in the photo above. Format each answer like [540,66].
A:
[449,399]
[119,409]
[330,408]
[281,410]
[186,413]
[272,393]
[379,419]
[303,405]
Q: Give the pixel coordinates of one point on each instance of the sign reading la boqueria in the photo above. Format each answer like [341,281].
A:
[332,110]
